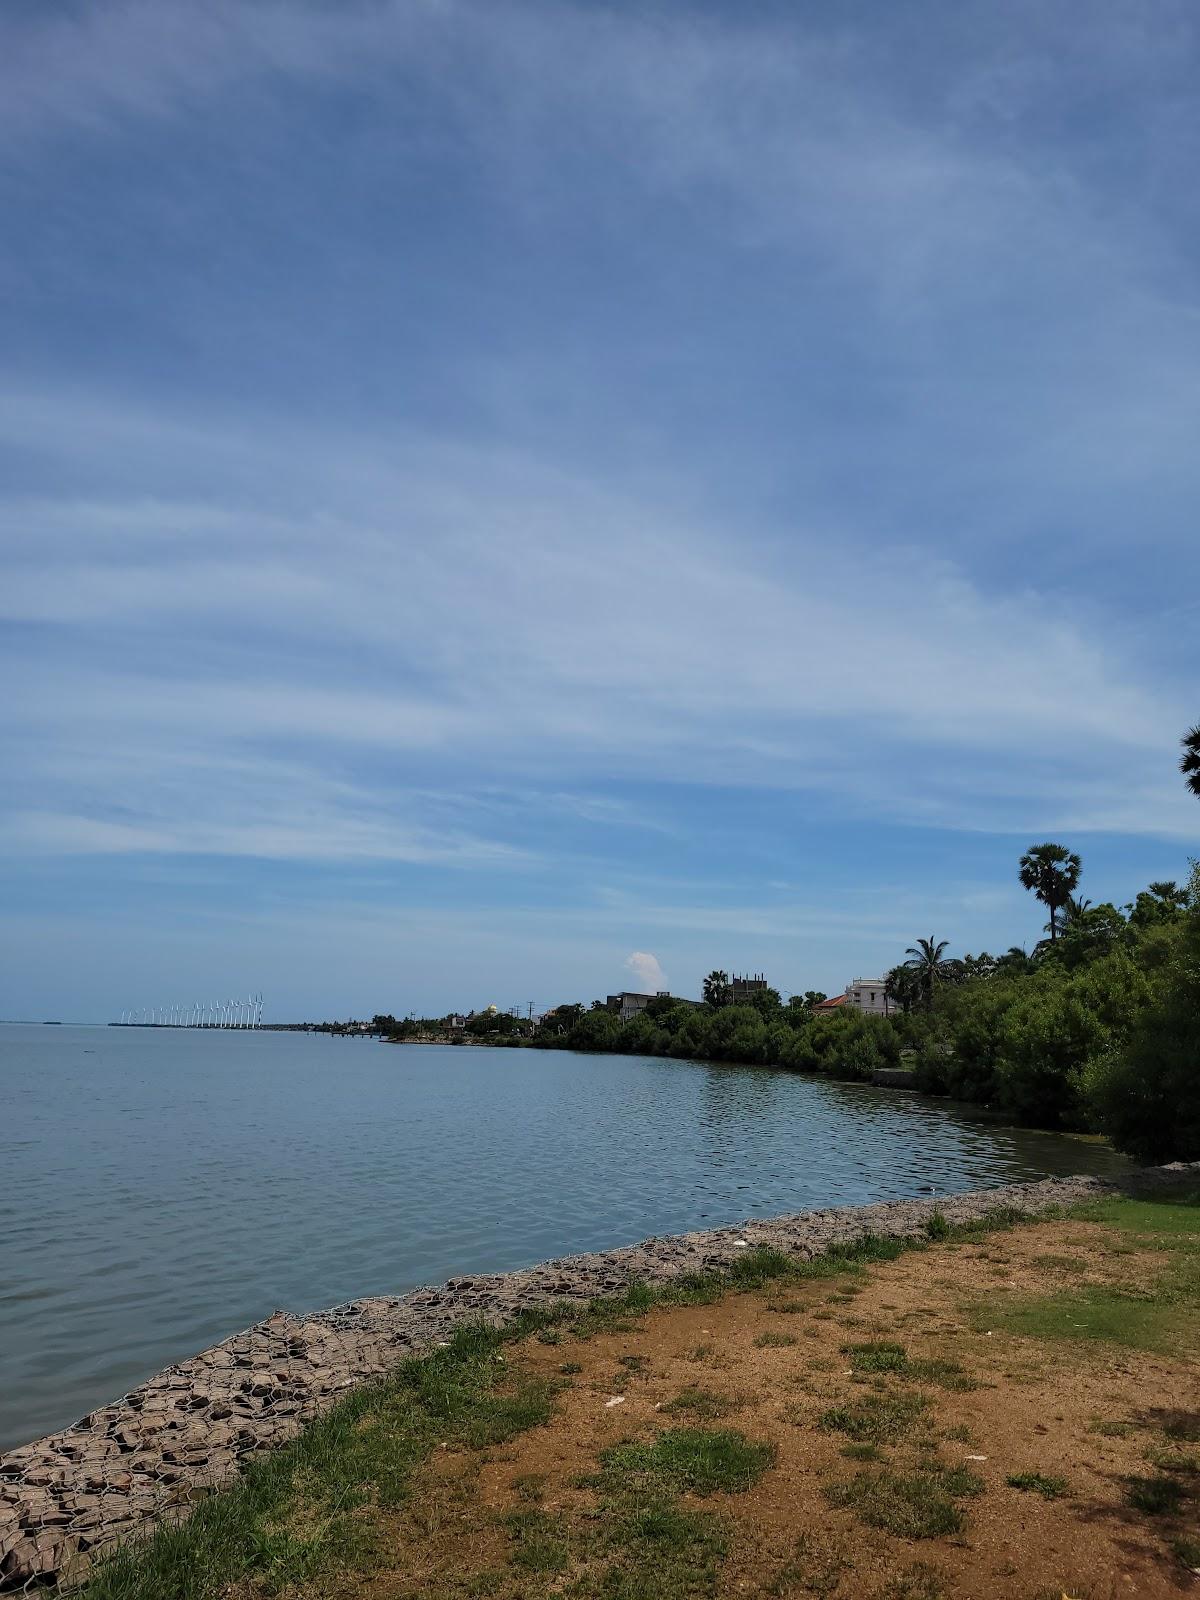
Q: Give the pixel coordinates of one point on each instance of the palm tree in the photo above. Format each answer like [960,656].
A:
[1052,872]
[903,988]
[1189,761]
[926,963]
[716,988]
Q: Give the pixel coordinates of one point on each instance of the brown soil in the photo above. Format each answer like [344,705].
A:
[1036,1410]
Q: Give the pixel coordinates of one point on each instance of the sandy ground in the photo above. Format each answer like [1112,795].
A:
[1037,1408]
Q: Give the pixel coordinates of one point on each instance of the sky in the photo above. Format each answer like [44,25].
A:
[507,500]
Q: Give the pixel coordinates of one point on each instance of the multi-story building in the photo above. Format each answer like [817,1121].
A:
[742,989]
[864,994]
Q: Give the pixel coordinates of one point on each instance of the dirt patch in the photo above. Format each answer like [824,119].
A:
[884,1394]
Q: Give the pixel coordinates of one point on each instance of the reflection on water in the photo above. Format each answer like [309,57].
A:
[163,1188]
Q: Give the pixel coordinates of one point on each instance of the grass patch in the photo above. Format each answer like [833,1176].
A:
[541,1542]
[1159,1496]
[703,1404]
[702,1460]
[886,1357]
[774,1341]
[912,1506]
[304,1509]
[876,1419]
[919,1582]
[1037,1483]
[1188,1551]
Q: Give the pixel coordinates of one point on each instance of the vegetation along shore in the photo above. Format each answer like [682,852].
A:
[1097,1029]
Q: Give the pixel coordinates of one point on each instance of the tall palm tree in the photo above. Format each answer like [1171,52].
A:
[925,961]
[716,988]
[1052,872]
[1189,761]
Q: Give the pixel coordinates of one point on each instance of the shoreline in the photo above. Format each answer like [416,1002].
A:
[151,1454]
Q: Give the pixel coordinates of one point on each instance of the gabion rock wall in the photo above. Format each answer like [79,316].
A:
[117,1472]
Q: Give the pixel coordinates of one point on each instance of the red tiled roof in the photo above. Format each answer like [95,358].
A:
[828,1005]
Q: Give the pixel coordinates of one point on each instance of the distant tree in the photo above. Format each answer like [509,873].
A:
[980,966]
[1189,761]
[716,989]
[1159,903]
[1015,962]
[807,1000]
[903,988]
[1051,871]
[926,960]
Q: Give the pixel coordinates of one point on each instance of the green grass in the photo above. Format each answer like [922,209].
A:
[1188,1551]
[701,1460]
[540,1544]
[774,1341]
[296,1512]
[885,1357]
[1036,1483]
[876,1419]
[912,1506]
[702,1404]
[1160,1317]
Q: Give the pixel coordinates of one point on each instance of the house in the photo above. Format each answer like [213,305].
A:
[626,1004]
[864,994]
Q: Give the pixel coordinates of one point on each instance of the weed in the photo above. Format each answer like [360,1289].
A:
[1158,1496]
[1188,1551]
[936,1226]
[862,1452]
[918,1582]
[876,1357]
[769,1341]
[1036,1483]
[913,1506]
[570,1369]
[787,1308]
[1110,1429]
[702,1404]
[760,1266]
[876,1419]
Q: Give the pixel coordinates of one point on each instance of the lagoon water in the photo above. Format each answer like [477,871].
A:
[163,1188]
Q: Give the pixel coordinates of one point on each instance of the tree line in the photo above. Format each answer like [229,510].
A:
[1097,1028]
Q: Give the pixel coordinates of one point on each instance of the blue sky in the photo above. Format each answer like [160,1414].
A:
[490,491]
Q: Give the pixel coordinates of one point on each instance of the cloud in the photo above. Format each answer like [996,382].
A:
[647,974]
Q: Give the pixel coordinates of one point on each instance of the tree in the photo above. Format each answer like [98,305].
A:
[1146,1091]
[1052,872]
[716,989]
[926,960]
[807,1000]
[1189,761]
[1162,902]
[903,988]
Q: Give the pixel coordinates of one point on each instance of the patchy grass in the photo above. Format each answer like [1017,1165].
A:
[771,1340]
[919,1582]
[1036,1483]
[886,1357]
[703,1404]
[876,1419]
[701,1460]
[912,1506]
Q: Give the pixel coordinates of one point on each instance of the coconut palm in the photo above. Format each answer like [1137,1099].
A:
[1052,872]
[716,988]
[927,964]
[1189,761]
[903,988]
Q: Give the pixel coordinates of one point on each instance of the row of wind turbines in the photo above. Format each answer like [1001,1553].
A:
[221,1014]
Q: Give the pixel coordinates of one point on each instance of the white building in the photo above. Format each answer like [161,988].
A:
[864,994]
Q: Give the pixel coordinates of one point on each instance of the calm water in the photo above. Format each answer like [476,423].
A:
[163,1188]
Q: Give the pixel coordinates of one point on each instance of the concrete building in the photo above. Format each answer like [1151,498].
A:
[626,1004]
[742,989]
[864,994]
